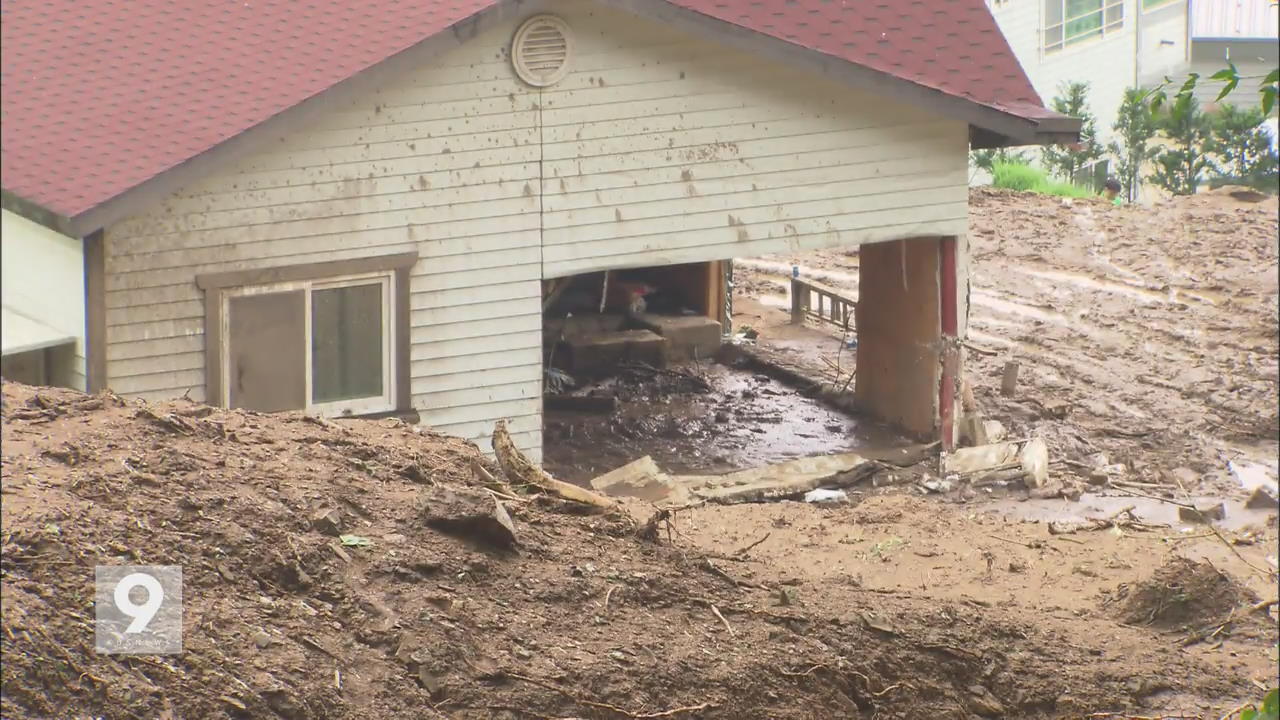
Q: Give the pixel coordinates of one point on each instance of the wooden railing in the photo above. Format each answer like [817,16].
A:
[831,306]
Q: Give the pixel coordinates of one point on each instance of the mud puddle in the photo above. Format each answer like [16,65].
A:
[1092,506]
[737,420]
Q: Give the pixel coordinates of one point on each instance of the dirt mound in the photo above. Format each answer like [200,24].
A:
[1183,594]
[314,588]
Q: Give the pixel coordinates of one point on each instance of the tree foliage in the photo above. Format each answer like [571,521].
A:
[1067,160]
[1242,147]
[1180,167]
[1136,126]
[1230,76]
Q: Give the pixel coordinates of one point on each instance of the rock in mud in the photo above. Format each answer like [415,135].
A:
[1203,515]
[468,513]
[327,521]
[1262,499]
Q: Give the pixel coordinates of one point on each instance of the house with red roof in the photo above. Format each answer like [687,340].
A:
[360,208]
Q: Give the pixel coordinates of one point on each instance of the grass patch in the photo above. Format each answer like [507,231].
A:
[1023,177]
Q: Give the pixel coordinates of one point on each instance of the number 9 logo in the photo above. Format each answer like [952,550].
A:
[144,613]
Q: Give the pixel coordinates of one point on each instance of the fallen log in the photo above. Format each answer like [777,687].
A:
[520,471]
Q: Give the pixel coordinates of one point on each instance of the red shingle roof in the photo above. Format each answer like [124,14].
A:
[100,96]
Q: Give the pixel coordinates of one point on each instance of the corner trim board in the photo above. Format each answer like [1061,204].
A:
[95,315]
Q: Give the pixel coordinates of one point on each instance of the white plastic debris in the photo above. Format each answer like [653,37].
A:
[824,495]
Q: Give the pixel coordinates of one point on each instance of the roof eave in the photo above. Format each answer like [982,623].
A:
[39,214]
[1053,129]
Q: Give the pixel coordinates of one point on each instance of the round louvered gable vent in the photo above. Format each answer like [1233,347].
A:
[541,49]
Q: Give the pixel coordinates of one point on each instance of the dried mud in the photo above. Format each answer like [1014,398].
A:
[583,620]
[1147,335]
[1183,594]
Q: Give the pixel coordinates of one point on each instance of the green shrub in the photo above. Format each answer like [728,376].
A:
[1023,177]
[1016,176]
[1063,189]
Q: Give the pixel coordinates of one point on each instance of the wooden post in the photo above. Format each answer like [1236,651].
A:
[949,325]
[1009,381]
[797,306]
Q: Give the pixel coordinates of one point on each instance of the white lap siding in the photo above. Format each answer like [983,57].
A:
[443,162]
[659,147]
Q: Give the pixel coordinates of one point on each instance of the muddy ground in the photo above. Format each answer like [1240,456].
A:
[895,608]
[700,419]
[1147,336]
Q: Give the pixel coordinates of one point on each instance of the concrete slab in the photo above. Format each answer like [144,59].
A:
[692,336]
[785,479]
[601,352]
[580,325]
[644,480]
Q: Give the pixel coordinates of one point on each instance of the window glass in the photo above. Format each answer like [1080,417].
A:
[1084,17]
[1052,12]
[347,342]
[1115,15]
[267,351]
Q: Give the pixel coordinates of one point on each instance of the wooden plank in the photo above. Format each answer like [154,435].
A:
[480,395]
[477,330]
[743,151]
[806,175]
[483,411]
[426,297]
[778,220]
[160,383]
[475,379]
[947,223]
[648,201]
[474,311]
[526,356]
[429,349]
[411,225]
[433,185]
[136,367]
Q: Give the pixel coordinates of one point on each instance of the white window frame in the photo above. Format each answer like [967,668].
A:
[1104,29]
[359,406]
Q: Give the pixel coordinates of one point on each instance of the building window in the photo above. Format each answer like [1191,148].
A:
[1067,22]
[321,346]
[328,338]
[1149,4]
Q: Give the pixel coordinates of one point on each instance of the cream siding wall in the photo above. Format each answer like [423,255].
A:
[444,163]
[664,148]
[658,148]
[43,279]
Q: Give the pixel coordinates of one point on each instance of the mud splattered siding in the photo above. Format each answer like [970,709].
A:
[658,147]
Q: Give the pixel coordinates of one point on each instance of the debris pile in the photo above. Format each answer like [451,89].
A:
[371,569]
[1184,594]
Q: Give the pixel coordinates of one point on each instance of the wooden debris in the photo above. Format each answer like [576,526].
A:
[1009,379]
[520,471]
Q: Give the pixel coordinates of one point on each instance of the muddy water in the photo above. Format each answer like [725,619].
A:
[1092,506]
[744,420]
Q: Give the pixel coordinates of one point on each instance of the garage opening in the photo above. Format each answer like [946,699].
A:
[718,366]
